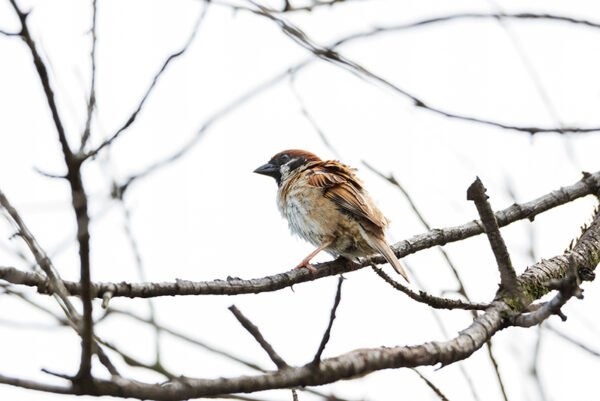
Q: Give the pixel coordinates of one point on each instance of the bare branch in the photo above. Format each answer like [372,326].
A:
[33,385]
[73,322]
[44,78]
[288,8]
[252,329]
[53,281]
[496,369]
[78,200]
[91,103]
[433,301]
[571,340]
[9,34]
[508,277]
[585,255]
[206,125]
[392,180]
[326,335]
[207,347]
[568,287]
[589,184]
[432,386]
[134,362]
[309,117]
[188,339]
[461,287]
[534,365]
[327,53]
[157,76]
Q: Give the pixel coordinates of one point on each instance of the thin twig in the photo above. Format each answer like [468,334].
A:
[392,180]
[461,287]
[157,76]
[309,117]
[71,322]
[207,347]
[432,386]
[54,282]
[571,340]
[431,300]
[255,332]
[535,372]
[43,75]
[205,126]
[496,369]
[327,334]
[187,338]
[9,34]
[141,273]
[328,54]
[91,103]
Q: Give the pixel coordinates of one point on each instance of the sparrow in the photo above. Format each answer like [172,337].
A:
[326,204]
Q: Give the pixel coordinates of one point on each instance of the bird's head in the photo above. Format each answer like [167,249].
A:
[283,164]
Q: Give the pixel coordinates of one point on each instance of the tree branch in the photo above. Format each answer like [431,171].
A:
[327,53]
[326,335]
[589,184]
[432,386]
[44,78]
[571,340]
[508,277]
[157,76]
[252,329]
[91,103]
[433,301]
[78,200]
[585,256]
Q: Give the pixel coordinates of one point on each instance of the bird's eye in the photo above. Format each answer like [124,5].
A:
[284,158]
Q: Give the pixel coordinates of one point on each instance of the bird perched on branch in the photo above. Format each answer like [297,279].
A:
[325,204]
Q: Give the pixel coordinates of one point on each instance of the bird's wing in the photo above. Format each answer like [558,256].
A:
[345,190]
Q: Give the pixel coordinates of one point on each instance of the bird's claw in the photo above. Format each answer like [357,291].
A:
[307,265]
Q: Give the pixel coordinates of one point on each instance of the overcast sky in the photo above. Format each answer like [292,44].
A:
[206,216]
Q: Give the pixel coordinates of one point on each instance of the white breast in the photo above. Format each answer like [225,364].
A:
[296,206]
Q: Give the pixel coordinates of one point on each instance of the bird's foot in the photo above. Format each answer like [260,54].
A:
[310,267]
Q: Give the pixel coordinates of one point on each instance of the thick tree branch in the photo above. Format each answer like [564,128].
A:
[567,287]
[508,277]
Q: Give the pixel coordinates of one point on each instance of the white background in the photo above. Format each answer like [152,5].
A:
[207,216]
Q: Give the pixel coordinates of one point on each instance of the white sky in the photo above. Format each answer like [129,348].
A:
[207,216]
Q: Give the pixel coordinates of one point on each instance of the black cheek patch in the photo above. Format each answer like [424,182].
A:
[294,164]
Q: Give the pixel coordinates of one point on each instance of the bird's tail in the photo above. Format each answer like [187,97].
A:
[382,247]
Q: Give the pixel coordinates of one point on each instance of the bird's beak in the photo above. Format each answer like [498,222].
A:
[268,169]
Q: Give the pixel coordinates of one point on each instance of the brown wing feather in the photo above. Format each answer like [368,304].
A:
[345,189]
